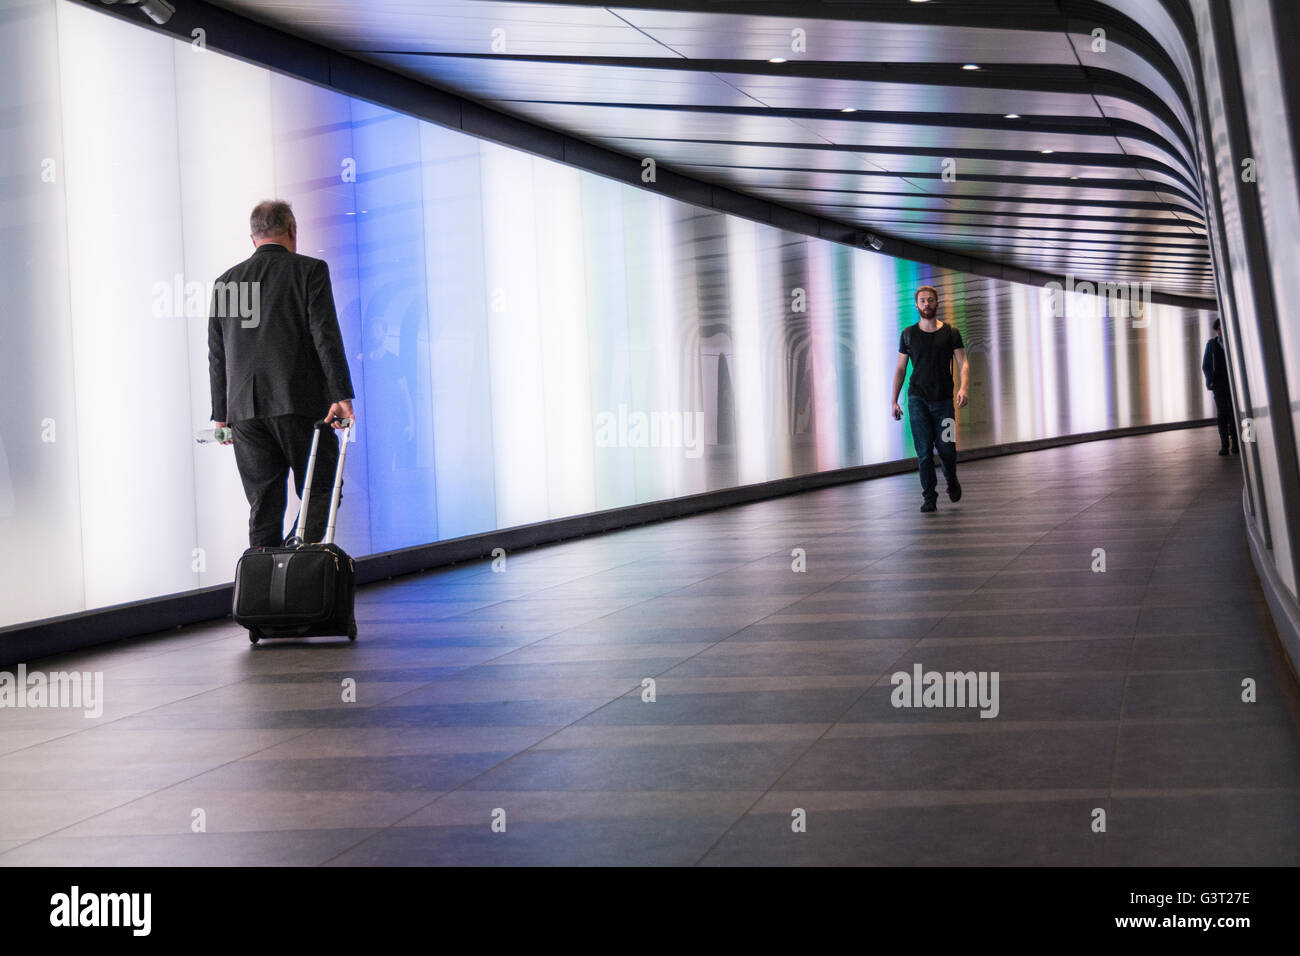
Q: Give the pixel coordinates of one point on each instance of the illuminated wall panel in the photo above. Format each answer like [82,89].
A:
[454,407]
[527,340]
[511,236]
[562,316]
[130,364]
[390,316]
[40,498]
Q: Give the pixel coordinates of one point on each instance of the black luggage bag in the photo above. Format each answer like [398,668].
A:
[300,590]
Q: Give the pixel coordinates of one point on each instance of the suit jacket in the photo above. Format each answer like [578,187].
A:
[288,358]
[1215,365]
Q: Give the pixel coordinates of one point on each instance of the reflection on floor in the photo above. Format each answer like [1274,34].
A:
[499,717]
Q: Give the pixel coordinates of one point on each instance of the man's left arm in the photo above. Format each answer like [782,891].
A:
[217,364]
[964,367]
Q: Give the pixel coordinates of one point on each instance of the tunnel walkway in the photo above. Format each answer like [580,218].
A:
[501,717]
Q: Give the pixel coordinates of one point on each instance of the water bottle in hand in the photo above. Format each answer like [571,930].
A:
[207,436]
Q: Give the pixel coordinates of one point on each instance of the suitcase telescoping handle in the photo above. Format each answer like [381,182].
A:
[300,526]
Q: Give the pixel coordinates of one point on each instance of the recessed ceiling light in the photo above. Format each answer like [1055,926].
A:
[777,59]
[848,109]
[970,66]
[1011,116]
[1074,177]
[1045,151]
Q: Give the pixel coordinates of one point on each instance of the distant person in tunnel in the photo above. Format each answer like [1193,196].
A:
[274,375]
[931,346]
[1215,367]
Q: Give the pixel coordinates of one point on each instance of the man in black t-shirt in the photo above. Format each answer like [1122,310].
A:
[931,345]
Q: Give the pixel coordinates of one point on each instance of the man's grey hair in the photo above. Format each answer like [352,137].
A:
[271,217]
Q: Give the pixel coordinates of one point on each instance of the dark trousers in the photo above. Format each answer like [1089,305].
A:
[929,422]
[265,451]
[1227,419]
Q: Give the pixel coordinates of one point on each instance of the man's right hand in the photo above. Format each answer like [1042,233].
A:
[898,413]
[340,411]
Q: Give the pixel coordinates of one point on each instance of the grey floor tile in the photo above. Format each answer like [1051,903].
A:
[770,659]
[32,813]
[1083,698]
[1205,829]
[811,705]
[992,759]
[1210,753]
[432,773]
[286,848]
[678,842]
[730,766]
[1207,694]
[1009,834]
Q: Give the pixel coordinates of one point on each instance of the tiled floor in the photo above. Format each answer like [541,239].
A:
[517,696]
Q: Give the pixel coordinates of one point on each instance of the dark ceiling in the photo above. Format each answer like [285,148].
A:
[1064,155]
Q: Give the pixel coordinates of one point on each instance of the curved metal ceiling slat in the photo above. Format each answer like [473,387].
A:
[1094,172]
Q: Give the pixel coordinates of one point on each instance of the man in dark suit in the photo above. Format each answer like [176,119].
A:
[276,369]
[1215,366]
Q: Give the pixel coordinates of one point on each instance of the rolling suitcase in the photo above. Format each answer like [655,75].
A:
[299,590]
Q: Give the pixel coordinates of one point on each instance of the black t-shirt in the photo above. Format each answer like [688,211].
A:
[931,354]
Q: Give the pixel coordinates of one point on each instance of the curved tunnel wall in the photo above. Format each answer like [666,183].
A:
[528,341]
[1241,83]
[1240,76]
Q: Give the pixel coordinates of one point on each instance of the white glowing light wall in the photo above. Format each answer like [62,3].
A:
[511,237]
[1123,404]
[821,308]
[995,357]
[1024,323]
[624,448]
[1050,421]
[491,302]
[1085,365]
[121,175]
[876,345]
[563,336]
[653,384]
[661,337]
[459,392]
[773,298]
[751,438]
[1167,366]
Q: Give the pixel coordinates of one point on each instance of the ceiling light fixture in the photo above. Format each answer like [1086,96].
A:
[159,11]
[848,109]
[1046,151]
[970,66]
[1011,116]
[777,59]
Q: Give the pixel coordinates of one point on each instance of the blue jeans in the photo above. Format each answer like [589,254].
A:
[928,427]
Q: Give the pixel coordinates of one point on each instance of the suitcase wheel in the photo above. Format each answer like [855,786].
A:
[254,635]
